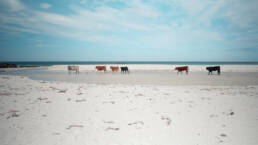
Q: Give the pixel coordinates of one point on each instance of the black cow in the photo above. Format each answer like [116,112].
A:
[124,69]
[213,68]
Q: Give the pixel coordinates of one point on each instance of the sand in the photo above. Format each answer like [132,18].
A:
[231,75]
[34,112]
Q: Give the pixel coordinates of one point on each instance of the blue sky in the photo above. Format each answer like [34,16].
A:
[135,30]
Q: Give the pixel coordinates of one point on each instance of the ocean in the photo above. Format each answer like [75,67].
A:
[49,63]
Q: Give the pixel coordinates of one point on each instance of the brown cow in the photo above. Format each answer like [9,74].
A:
[181,69]
[114,68]
[101,68]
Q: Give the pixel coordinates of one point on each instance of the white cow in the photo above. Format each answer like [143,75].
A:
[73,68]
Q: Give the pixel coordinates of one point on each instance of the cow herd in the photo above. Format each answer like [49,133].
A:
[113,68]
[125,69]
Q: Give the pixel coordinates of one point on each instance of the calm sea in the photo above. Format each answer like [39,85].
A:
[48,63]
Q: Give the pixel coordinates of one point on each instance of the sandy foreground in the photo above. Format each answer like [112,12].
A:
[60,113]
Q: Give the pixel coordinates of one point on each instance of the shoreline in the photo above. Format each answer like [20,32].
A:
[145,74]
[163,67]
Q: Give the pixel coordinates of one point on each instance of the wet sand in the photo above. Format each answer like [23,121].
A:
[144,75]
[155,78]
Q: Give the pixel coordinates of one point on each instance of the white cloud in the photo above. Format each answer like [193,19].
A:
[242,13]
[83,1]
[108,25]
[19,29]
[193,7]
[13,5]
[45,5]
[55,19]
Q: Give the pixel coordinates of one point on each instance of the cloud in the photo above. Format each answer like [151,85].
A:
[83,1]
[45,5]
[242,13]
[18,29]
[139,23]
[12,5]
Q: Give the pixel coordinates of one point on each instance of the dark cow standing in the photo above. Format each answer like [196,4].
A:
[124,69]
[213,68]
[73,68]
[181,69]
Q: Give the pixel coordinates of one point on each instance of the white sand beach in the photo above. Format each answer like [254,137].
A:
[36,112]
[128,72]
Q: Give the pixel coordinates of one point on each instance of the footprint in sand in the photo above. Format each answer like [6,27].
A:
[56,133]
[137,95]
[81,100]
[229,112]
[74,126]
[41,99]
[223,135]
[137,124]
[106,102]
[109,122]
[167,119]
[112,128]
[12,114]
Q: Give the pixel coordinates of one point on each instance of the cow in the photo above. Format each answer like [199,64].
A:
[213,68]
[73,68]
[101,68]
[124,69]
[114,68]
[181,69]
